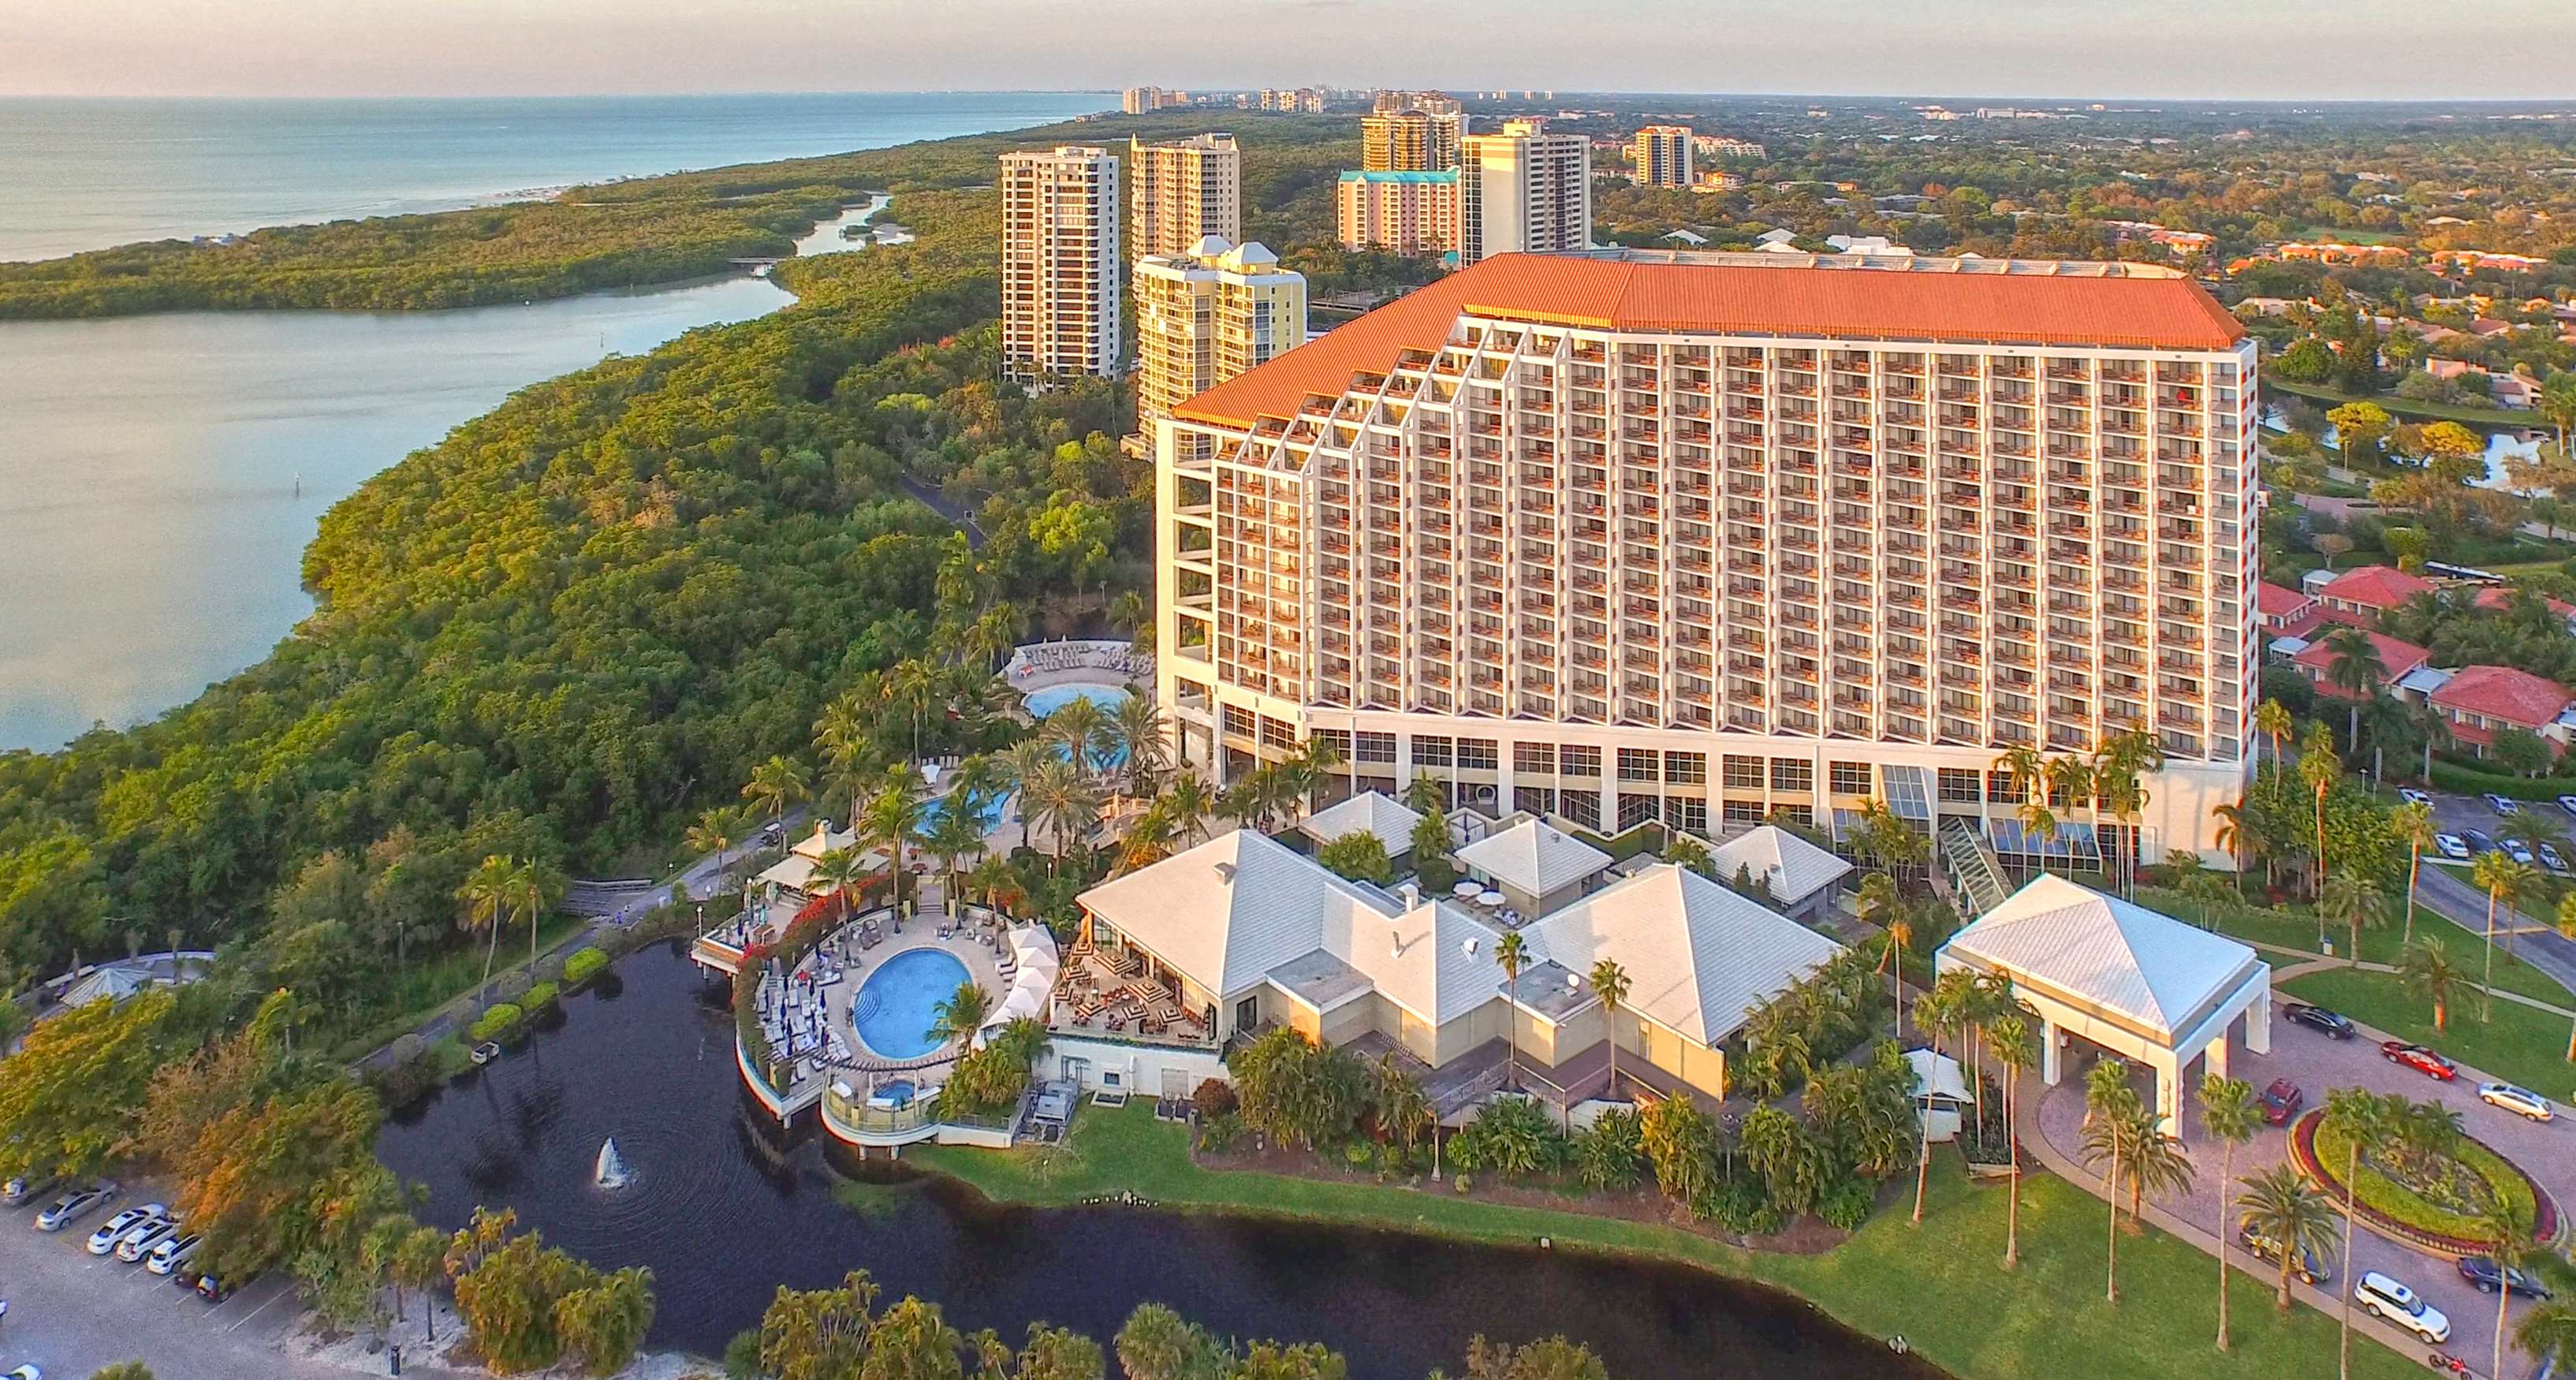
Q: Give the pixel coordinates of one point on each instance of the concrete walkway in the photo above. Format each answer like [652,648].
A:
[2316,963]
[2316,1064]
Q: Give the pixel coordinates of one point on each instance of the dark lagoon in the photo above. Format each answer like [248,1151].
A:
[724,1209]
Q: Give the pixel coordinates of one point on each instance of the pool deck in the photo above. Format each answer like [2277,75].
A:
[862,1068]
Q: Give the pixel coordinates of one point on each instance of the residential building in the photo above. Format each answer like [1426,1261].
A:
[1251,933]
[1523,190]
[2286,612]
[1184,192]
[2398,658]
[2511,390]
[1410,213]
[1412,131]
[1060,262]
[1140,100]
[2481,701]
[1718,146]
[1660,156]
[2359,595]
[1205,316]
[1626,535]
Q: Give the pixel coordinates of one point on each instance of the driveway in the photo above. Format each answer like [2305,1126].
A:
[2318,1064]
[73,1313]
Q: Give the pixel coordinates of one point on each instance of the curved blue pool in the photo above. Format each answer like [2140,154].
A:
[1044,702]
[892,1011]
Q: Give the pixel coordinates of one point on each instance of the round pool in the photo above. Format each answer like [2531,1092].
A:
[1044,702]
[892,1011]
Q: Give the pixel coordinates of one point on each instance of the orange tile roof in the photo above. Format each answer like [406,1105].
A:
[2501,692]
[2375,586]
[1780,299]
[2396,658]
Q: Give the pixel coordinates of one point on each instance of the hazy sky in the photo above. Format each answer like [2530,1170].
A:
[2243,48]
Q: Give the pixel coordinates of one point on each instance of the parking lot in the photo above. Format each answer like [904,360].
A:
[72,1313]
[2448,889]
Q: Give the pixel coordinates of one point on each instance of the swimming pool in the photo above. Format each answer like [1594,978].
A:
[932,811]
[1044,702]
[892,1012]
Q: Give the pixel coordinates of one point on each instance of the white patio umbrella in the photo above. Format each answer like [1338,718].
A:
[1040,966]
[1031,939]
[1021,1002]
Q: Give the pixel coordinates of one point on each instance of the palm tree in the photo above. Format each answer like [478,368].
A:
[2008,1036]
[2567,929]
[1610,985]
[994,879]
[2356,668]
[2110,1123]
[1082,730]
[2362,1117]
[535,888]
[840,872]
[952,839]
[2071,782]
[2157,1163]
[846,731]
[1511,951]
[2280,1203]
[486,894]
[2548,1331]
[2227,1110]
[2236,835]
[2118,768]
[1061,798]
[1139,724]
[2505,882]
[1148,839]
[1881,904]
[1185,802]
[2505,1228]
[2321,769]
[2272,720]
[960,1014]
[2039,824]
[2026,768]
[2357,901]
[891,822]
[716,831]
[777,786]
[2429,973]
[2412,822]
[1941,1011]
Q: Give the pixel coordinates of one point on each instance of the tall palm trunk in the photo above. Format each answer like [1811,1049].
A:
[493,951]
[2414,871]
[2351,1210]
[2111,1290]
[2226,1175]
[2012,1205]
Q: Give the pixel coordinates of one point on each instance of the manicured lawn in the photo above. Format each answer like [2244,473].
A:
[2329,399]
[1940,1286]
[2517,1044]
[2295,927]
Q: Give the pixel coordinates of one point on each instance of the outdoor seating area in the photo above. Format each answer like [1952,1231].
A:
[1051,658]
[1110,991]
[796,1017]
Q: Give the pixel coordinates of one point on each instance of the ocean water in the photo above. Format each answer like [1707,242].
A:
[87,174]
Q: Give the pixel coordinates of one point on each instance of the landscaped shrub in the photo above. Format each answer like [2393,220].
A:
[1359,1153]
[540,996]
[1214,1097]
[1848,1204]
[1739,1204]
[1220,1132]
[498,1022]
[2451,776]
[1610,1154]
[583,964]
[1512,1137]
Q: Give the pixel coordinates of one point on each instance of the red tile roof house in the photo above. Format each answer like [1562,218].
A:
[2479,700]
[2286,612]
[2359,595]
[2499,598]
[2396,658]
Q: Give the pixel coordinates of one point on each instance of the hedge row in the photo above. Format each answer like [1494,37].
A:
[498,1023]
[2451,776]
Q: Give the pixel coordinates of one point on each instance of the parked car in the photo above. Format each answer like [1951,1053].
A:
[105,1239]
[2386,1298]
[2418,1058]
[2550,855]
[167,1257]
[2281,1101]
[2519,1101]
[2516,849]
[138,1243]
[2452,846]
[20,1191]
[2413,796]
[27,1372]
[2482,1272]
[2310,1269]
[2567,803]
[2319,1019]
[2478,841]
[73,1206]
[2503,805]
[217,1288]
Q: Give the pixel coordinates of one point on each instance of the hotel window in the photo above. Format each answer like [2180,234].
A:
[1999,787]
[1238,721]
[1799,815]
[1537,800]
[1375,747]
[1687,812]
[1275,733]
[1743,774]
[1433,752]
[1637,764]
[1583,807]
[1338,739]
[1959,786]
[1743,812]
[1792,774]
[1637,809]
[1478,754]
[1534,758]
[1686,768]
[1575,760]
[1849,778]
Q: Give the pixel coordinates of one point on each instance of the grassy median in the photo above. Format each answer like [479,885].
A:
[2515,1043]
[1940,1286]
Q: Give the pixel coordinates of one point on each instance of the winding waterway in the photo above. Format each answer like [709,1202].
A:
[724,1212]
[164,473]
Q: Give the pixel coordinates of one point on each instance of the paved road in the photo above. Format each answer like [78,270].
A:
[2535,941]
[72,1313]
[2317,1064]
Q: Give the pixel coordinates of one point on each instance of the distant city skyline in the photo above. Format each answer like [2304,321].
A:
[2179,50]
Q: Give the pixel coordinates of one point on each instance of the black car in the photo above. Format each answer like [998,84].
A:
[2478,842]
[2320,1019]
[2482,1272]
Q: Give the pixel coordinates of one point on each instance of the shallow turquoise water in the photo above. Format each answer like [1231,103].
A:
[892,1012]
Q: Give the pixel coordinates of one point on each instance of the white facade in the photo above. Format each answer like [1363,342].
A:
[1206,315]
[1060,262]
[1523,190]
[1616,573]
[1184,192]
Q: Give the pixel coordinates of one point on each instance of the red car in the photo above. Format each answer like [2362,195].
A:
[2418,1058]
[2281,1101]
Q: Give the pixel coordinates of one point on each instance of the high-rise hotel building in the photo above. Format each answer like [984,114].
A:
[1060,262]
[1622,536]
[1523,190]
[1184,192]
[1660,156]
[1207,316]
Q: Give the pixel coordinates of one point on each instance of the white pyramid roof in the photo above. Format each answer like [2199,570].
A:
[1697,954]
[1369,812]
[1533,856]
[2099,951]
[1792,867]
